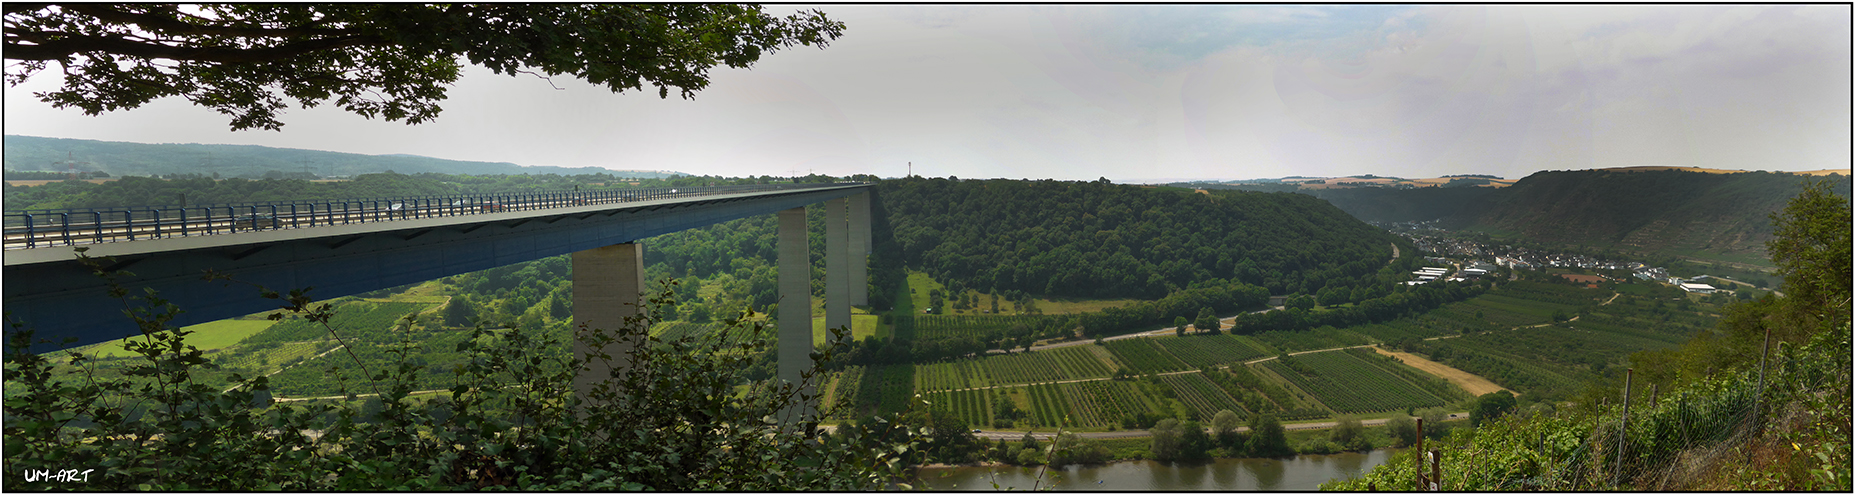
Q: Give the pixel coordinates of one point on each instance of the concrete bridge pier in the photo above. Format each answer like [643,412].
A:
[608,288]
[859,249]
[836,265]
[795,305]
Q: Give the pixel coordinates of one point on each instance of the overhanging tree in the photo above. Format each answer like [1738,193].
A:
[392,61]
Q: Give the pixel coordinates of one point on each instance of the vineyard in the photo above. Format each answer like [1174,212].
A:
[263,358]
[1144,356]
[979,327]
[871,390]
[951,375]
[1199,351]
[1347,384]
[1311,339]
[351,319]
[1065,363]
[973,406]
[1203,397]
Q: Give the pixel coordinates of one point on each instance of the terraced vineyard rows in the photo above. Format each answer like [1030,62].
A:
[1066,363]
[1312,339]
[982,327]
[972,406]
[1402,329]
[353,319]
[1114,399]
[1199,351]
[1143,356]
[953,375]
[1349,385]
[1048,407]
[267,360]
[1204,397]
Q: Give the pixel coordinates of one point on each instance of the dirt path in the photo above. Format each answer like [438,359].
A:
[1271,358]
[1475,385]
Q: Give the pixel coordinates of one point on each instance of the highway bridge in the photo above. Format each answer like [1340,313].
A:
[346,247]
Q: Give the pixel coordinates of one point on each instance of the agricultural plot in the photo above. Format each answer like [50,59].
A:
[843,388]
[1066,363]
[952,375]
[974,407]
[1488,356]
[1203,397]
[1209,350]
[984,327]
[1142,355]
[263,360]
[351,319]
[1455,318]
[1108,402]
[1498,316]
[874,390]
[1540,309]
[1347,384]
[206,336]
[1400,329]
[1048,407]
[1312,339]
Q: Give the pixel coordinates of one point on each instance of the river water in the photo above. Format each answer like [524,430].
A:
[1299,473]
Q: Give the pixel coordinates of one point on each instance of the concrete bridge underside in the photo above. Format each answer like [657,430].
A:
[46,289]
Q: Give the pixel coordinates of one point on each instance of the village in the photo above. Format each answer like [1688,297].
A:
[1479,257]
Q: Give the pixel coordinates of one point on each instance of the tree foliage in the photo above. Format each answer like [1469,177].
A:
[673,419]
[1095,239]
[391,61]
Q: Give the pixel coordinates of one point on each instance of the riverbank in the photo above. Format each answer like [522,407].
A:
[1294,473]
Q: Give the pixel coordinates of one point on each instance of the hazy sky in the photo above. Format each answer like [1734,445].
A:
[1149,93]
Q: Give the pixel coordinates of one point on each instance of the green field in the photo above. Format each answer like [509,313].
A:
[861,327]
[206,336]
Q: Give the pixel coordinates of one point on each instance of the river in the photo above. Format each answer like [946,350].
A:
[1299,473]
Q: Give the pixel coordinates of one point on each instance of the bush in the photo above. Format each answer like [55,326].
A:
[673,421]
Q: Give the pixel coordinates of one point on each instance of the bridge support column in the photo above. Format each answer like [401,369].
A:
[836,265]
[608,287]
[860,249]
[795,305]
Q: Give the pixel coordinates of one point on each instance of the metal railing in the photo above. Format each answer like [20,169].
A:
[71,227]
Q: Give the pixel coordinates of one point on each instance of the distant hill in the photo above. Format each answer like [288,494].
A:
[1708,214]
[27,153]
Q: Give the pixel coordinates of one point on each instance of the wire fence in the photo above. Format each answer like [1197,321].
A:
[27,229]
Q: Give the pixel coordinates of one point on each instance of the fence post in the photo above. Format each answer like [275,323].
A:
[1758,399]
[1419,451]
[1624,429]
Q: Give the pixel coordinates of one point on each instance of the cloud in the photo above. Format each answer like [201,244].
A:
[1148,91]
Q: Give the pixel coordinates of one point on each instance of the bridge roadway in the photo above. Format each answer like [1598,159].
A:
[341,253]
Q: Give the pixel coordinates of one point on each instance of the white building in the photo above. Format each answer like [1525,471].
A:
[1697,288]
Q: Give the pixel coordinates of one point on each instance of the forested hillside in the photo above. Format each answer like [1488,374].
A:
[1650,212]
[1661,212]
[1095,239]
[1378,204]
[227,160]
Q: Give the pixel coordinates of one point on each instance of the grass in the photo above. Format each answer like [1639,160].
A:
[920,284]
[861,326]
[208,336]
